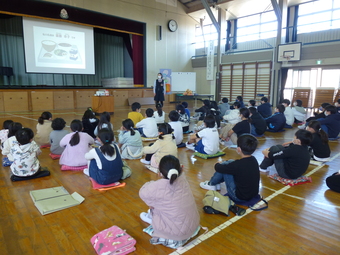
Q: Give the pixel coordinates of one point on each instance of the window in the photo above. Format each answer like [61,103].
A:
[313,78]
[318,15]
[209,32]
[255,27]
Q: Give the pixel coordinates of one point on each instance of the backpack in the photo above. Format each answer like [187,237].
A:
[113,240]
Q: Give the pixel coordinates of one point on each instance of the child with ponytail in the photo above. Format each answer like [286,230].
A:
[159,114]
[76,144]
[44,128]
[130,141]
[105,164]
[173,217]
[319,148]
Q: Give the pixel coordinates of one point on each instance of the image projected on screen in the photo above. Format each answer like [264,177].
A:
[58,47]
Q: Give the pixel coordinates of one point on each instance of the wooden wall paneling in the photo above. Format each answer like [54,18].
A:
[1,102]
[63,100]
[249,80]
[15,101]
[42,100]
[148,93]
[84,98]
[120,97]
[135,93]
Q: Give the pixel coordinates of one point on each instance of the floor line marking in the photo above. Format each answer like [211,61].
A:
[227,223]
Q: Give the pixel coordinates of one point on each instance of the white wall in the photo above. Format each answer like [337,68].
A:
[175,49]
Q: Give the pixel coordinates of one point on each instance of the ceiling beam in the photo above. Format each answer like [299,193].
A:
[194,6]
[211,15]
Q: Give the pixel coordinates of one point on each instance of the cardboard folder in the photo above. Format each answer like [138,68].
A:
[54,199]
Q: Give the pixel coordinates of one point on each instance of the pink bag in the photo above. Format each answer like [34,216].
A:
[113,240]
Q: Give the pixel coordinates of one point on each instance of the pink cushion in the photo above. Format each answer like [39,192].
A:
[73,168]
[291,182]
[54,156]
[113,240]
[45,146]
[98,186]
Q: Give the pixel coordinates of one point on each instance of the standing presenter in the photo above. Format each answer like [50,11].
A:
[159,89]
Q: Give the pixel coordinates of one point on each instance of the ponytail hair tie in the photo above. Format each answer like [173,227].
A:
[76,131]
[171,172]
[319,129]
[106,141]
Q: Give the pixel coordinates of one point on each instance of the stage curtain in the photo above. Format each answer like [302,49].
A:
[109,59]
[138,59]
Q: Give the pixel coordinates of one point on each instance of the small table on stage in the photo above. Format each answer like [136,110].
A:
[180,97]
[103,104]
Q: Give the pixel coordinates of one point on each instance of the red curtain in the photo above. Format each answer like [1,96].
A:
[138,59]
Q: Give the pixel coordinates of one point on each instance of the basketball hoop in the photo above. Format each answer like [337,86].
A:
[286,60]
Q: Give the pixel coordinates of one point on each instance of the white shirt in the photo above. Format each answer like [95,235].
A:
[178,131]
[159,119]
[210,140]
[289,114]
[233,116]
[149,126]
[92,154]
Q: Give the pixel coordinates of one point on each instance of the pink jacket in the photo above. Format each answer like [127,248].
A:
[175,214]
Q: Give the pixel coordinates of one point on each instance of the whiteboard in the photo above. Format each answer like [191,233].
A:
[181,81]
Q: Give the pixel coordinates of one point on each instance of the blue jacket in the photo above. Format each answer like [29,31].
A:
[265,110]
[332,122]
[276,122]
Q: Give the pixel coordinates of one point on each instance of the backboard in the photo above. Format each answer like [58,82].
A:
[289,52]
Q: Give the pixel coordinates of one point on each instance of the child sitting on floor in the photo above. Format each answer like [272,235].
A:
[207,140]
[224,107]
[135,115]
[233,116]
[4,132]
[105,164]
[319,147]
[90,122]
[258,123]
[165,145]
[159,114]
[42,137]
[8,144]
[288,112]
[173,213]
[291,159]
[130,141]
[25,161]
[232,132]
[242,177]
[183,118]
[76,144]
[331,123]
[177,127]
[104,122]
[277,121]
[265,108]
[148,127]
[187,111]
[56,135]
[299,112]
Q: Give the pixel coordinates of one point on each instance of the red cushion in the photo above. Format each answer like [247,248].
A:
[54,156]
[73,168]
[45,146]
[98,186]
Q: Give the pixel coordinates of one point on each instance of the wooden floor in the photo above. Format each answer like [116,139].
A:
[302,219]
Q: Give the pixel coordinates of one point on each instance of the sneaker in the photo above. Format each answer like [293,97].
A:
[146,217]
[302,126]
[190,146]
[263,170]
[145,161]
[207,186]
